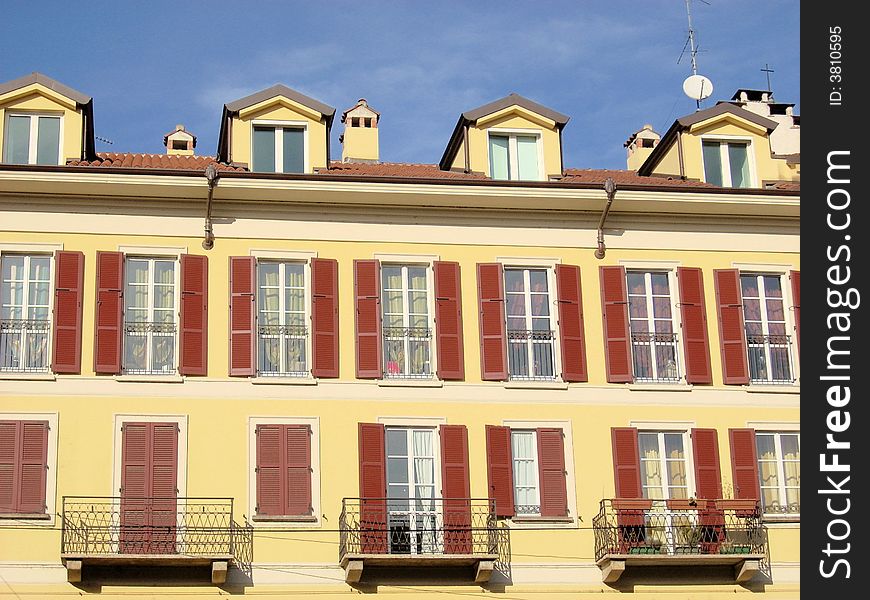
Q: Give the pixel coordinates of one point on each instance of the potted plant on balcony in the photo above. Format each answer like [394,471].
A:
[689,539]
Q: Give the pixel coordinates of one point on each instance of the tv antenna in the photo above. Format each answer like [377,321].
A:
[102,139]
[697,87]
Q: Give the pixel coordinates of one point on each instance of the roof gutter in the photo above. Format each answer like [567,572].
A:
[610,189]
[211,177]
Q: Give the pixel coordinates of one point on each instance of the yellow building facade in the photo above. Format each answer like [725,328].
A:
[496,376]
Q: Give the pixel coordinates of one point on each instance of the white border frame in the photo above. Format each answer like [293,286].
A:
[511,133]
[279,146]
[50,476]
[725,161]
[33,140]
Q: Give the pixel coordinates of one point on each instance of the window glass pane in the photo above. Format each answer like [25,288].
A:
[294,275]
[674,445]
[791,447]
[397,470]
[712,162]
[39,268]
[417,303]
[397,442]
[538,281]
[513,280]
[48,141]
[516,305]
[772,287]
[738,157]
[391,278]
[417,278]
[498,157]
[660,284]
[540,305]
[662,308]
[164,272]
[268,273]
[263,152]
[294,148]
[527,157]
[18,140]
[649,445]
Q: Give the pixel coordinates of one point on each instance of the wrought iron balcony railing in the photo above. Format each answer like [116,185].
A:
[282,351]
[24,345]
[531,355]
[96,527]
[407,352]
[770,359]
[656,357]
[149,347]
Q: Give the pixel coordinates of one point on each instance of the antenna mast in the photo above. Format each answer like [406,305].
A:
[697,87]
[693,51]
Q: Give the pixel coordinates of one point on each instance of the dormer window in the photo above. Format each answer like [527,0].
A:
[726,163]
[514,156]
[32,139]
[278,148]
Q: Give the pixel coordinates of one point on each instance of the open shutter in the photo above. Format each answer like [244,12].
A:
[796,299]
[372,489]
[298,466]
[708,478]
[243,315]
[448,321]
[110,312]
[69,268]
[744,464]
[493,332]
[455,489]
[732,335]
[571,330]
[324,317]
[626,462]
[500,469]
[551,470]
[271,478]
[617,341]
[9,432]
[193,347]
[696,344]
[367,289]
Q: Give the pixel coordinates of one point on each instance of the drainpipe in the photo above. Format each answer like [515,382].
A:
[610,188]
[211,176]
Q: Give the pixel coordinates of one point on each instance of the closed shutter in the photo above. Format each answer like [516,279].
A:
[732,335]
[9,431]
[372,489]
[23,466]
[551,470]
[617,340]
[298,466]
[626,462]
[164,487]
[283,470]
[571,329]
[696,344]
[367,290]
[243,315]
[455,489]
[448,321]
[271,478]
[500,469]
[324,317]
[708,478]
[493,333]
[193,348]
[744,464]
[796,299]
[68,289]
[110,312]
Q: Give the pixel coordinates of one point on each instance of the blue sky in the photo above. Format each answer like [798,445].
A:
[610,65]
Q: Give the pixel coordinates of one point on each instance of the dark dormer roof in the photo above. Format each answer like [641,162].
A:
[752,95]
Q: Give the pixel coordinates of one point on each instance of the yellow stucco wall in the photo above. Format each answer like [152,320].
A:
[38,99]
[360,142]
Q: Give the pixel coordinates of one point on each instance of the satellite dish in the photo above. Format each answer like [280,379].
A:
[698,87]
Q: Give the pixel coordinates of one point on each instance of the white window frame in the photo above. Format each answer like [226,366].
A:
[28,254]
[688,450]
[788,316]
[725,162]
[50,476]
[34,133]
[550,267]
[534,459]
[780,471]
[282,259]
[279,142]
[676,317]
[513,152]
[387,260]
[315,521]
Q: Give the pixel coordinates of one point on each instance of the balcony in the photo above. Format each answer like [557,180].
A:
[680,533]
[24,345]
[185,532]
[432,532]
[655,357]
[770,359]
[531,356]
[407,353]
[149,348]
[282,351]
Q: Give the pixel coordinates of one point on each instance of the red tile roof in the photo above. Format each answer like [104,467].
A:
[627,178]
[412,170]
[154,161]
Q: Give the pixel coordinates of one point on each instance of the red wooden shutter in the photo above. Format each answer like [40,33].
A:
[448,321]
[708,478]
[271,478]
[69,269]
[493,332]
[372,489]
[135,477]
[744,464]
[9,431]
[324,317]
[455,489]
[298,466]
[23,466]
[617,340]
[626,462]
[367,289]
[571,329]
[696,344]
[110,312]
[732,335]
[164,487]
[243,315]
[500,469]
[193,349]
[796,299]
[551,470]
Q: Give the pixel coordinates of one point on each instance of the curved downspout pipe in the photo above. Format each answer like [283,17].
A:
[610,188]
[211,176]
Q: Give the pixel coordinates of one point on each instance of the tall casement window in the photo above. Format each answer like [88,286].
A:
[726,163]
[663,466]
[406,321]
[32,139]
[530,324]
[282,319]
[641,325]
[514,156]
[779,472]
[151,314]
[412,517]
[25,312]
[23,467]
[277,148]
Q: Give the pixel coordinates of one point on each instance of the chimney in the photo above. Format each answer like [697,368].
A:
[640,145]
[359,142]
[179,141]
